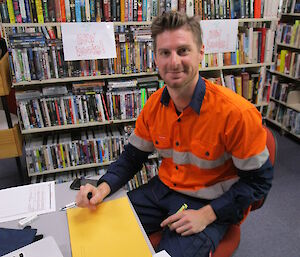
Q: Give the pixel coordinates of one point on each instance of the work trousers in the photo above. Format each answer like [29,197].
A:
[154,202]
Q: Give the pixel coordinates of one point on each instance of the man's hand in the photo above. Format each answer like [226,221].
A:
[189,222]
[99,193]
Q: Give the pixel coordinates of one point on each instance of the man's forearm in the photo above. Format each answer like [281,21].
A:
[122,170]
[252,186]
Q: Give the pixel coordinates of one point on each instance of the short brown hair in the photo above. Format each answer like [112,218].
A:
[175,20]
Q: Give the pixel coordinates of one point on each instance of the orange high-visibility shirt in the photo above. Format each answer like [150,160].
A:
[202,147]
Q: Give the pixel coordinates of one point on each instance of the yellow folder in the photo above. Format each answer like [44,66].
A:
[110,231]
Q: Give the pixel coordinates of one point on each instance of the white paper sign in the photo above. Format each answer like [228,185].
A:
[88,40]
[219,36]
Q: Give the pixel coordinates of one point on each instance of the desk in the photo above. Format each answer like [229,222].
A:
[56,224]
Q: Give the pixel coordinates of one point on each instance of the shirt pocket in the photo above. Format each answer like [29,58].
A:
[161,141]
[207,151]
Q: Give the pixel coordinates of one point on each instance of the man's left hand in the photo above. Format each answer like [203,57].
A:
[189,222]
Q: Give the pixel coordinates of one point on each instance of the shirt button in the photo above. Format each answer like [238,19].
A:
[176,167]
[179,120]
[207,153]
[174,184]
[177,143]
[156,142]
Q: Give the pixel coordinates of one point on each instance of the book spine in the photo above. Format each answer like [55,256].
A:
[17,12]
[57,10]
[87,11]
[11,13]
[78,10]
[63,10]
[82,10]
[45,10]
[257,9]
[22,10]
[39,11]
[93,10]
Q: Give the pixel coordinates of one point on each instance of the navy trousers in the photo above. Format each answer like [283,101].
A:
[154,202]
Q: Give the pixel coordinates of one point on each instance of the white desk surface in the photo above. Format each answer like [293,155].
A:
[56,224]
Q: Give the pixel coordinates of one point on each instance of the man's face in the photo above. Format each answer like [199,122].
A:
[178,57]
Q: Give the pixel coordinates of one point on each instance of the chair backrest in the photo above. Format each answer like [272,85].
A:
[271,145]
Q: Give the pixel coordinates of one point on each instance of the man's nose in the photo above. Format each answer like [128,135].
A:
[174,59]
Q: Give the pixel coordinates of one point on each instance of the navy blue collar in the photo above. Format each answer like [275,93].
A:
[197,97]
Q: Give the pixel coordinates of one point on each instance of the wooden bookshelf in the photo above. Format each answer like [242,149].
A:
[131,75]
[288,46]
[292,14]
[79,167]
[84,78]
[295,107]
[74,126]
[128,23]
[282,127]
[284,75]
[240,66]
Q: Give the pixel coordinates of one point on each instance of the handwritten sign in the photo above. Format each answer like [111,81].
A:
[88,41]
[219,36]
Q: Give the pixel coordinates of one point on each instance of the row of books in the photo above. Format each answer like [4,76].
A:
[255,45]
[289,34]
[290,6]
[287,117]
[148,171]
[87,102]
[288,62]
[34,57]
[37,56]
[279,90]
[244,84]
[27,11]
[65,150]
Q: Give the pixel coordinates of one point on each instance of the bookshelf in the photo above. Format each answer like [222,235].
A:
[40,139]
[284,108]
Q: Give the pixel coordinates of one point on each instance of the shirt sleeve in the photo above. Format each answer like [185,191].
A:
[122,170]
[245,139]
[252,186]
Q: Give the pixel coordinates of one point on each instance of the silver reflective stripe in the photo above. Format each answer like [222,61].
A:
[252,163]
[211,192]
[190,158]
[140,143]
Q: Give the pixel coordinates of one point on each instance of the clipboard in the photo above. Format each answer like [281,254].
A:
[109,231]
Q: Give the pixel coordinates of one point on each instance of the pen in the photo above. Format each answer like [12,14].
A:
[73,204]
[183,207]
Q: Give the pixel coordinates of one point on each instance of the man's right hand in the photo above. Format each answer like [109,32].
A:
[98,194]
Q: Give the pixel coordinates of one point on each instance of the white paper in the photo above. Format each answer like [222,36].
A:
[219,36]
[162,253]
[88,40]
[24,201]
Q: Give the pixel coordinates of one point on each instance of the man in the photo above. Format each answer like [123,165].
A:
[212,143]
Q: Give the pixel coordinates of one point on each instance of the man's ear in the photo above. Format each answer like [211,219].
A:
[154,57]
[201,53]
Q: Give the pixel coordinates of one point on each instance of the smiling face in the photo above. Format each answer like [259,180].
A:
[178,57]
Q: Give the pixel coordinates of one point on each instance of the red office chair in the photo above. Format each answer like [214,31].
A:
[231,240]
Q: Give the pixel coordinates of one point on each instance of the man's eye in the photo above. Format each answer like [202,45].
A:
[164,53]
[183,51]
